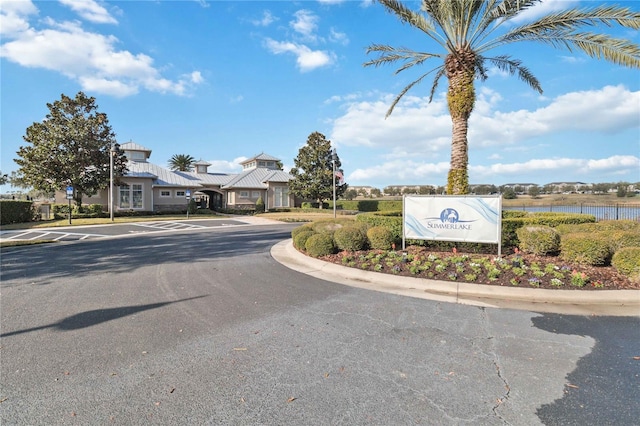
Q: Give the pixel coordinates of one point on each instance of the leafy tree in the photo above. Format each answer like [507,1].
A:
[4,178]
[467,29]
[181,163]
[509,194]
[350,194]
[534,191]
[375,192]
[313,171]
[71,146]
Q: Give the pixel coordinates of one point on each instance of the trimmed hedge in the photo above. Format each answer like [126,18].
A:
[16,211]
[380,238]
[627,262]
[585,248]
[319,245]
[393,223]
[539,239]
[351,237]
[300,239]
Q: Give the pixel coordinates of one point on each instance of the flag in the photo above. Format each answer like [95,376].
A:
[339,176]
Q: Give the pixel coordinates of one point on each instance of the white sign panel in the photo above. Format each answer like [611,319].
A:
[453,218]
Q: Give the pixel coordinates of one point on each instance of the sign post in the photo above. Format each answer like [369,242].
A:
[188,196]
[69,197]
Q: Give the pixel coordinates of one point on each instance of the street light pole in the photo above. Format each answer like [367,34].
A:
[334,157]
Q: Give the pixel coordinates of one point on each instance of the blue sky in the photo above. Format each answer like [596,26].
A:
[226,80]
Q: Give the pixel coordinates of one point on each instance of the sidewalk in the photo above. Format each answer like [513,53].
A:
[574,302]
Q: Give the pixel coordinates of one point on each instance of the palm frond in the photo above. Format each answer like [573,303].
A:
[408,16]
[404,91]
[391,54]
[514,66]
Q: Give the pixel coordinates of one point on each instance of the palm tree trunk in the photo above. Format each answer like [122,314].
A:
[461,98]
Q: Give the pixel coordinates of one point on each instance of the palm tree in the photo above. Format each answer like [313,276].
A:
[467,29]
[181,163]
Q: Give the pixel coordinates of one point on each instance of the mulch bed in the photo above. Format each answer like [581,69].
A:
[513,270]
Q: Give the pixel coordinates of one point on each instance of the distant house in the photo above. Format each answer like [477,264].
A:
[149,187]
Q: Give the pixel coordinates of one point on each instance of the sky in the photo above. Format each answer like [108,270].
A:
[224,81]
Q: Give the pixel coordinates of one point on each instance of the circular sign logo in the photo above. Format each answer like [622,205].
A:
[449,215]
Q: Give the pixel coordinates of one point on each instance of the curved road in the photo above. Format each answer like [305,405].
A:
[202,326]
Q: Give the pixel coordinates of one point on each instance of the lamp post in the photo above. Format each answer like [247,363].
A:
[334,157]
[115,149]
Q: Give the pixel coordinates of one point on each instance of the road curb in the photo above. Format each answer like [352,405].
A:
[580,302]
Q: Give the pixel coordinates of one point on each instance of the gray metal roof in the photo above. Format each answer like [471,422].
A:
[161,176]
[257,178]
[132,146]
[261,156]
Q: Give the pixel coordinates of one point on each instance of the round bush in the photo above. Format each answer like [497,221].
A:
[300,240]
[329,226]
[540,240]
[351,237]
[627,262]
[380,238]
[585,248]
[622,239]
[319,245]
[299,229]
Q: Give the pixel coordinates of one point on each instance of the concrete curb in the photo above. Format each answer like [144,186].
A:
[579,302]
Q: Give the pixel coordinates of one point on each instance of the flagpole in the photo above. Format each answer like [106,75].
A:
[333,161]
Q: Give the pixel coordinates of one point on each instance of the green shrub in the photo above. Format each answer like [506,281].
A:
[380,238]
[319,245]
[300,239]
[351,237]
[329,226]
[260,205]
[622,239]
[627,261]
[510,214]
[16,211]
[392,223]
[539,239]
[305,227]
[585,248]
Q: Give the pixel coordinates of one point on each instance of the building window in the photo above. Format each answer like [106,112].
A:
[244,194]
[255,194]
[281,196]
[165,193]
[125,197]
[137,156]
[180,194]
[131,196]
[136,196]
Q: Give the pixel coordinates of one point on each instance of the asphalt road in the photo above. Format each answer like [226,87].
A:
[202,326]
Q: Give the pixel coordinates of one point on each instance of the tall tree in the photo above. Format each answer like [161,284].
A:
[71,146]
[4,178]
[313,171]
[466,30]
[181,163]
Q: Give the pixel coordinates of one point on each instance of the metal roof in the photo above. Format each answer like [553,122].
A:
[132,146]
[161,176]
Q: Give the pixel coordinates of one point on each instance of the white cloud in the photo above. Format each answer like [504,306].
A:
[90,10]
[419,130]
[338,37]
[13,16]
[266,20]
[91,59]
[579,166]
[306,58]
[544,8]
[222,166]
[305,23]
